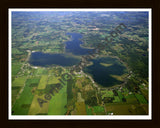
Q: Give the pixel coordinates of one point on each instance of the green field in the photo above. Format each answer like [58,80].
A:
[43,82]
[36,109]
[80,108]
[99,110]
[40,71]
[16,68]
[22,104]
[141,99]
[25,98]
[16,51]
[15,92]
[88,110]
[120,95]
[33,81]
[53,80]
[107,94]
[131,99]
[116,99]
[58,102]
[19,82]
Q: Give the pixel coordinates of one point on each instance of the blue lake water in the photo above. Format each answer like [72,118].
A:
[46,59]
[74,47]
[101,74]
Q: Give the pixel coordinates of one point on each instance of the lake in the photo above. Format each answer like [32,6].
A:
[101,70]
[47,59]
[72,46]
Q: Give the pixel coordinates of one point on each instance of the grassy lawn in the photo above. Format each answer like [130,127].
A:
[43,82]
[58,102]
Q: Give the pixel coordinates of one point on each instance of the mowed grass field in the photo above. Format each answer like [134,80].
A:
[43,82]
[58,102]
[24,101]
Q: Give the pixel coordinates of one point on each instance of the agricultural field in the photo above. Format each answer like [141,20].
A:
[126,109]
[131,99]
[80,108]
[24,99]
[43,82]
[36,109]
[107,94]
[89,110]
[57,105]
[99,110]
[16,68]
[141,99]
[19,82]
